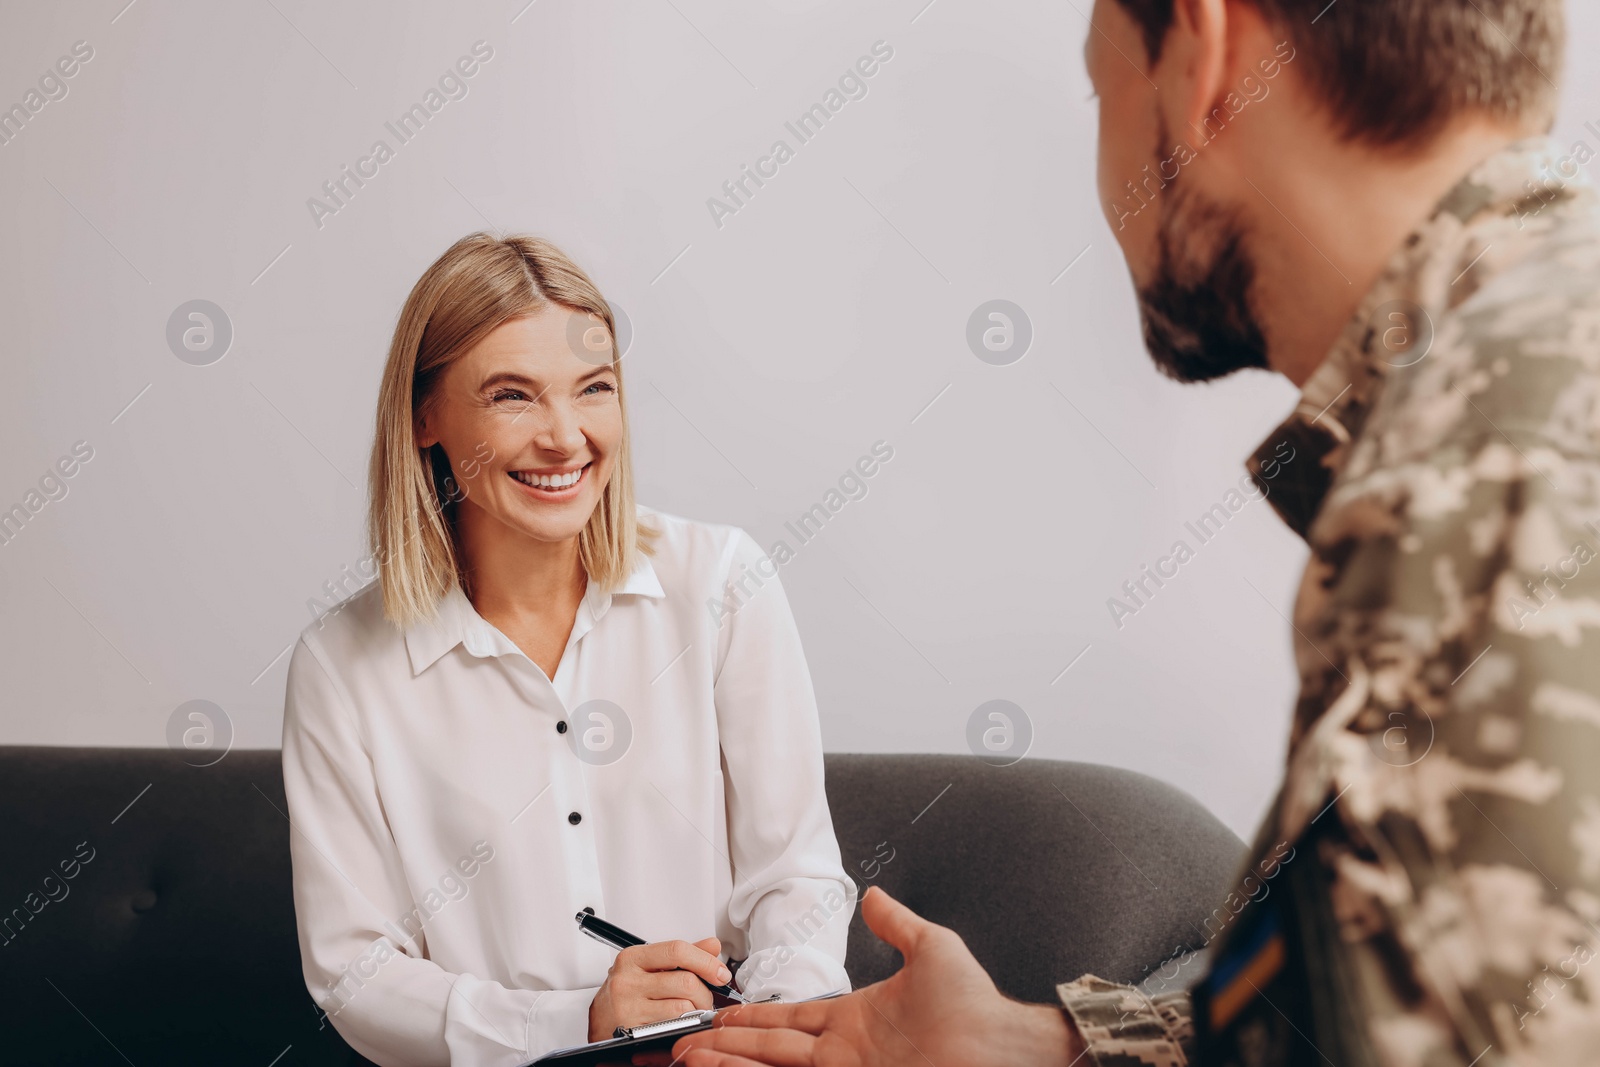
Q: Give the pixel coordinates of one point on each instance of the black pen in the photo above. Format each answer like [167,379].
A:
[619,939]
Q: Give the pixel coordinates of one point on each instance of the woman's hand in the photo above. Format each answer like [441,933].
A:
[648,983]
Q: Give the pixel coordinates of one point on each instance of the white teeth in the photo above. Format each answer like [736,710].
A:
[548,481]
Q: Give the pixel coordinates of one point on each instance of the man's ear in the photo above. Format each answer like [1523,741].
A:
[1196,53]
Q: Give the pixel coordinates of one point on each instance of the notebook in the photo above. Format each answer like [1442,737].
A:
[646,1037]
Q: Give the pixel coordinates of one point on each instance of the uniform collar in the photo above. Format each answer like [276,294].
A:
[1419,285]
[456,622]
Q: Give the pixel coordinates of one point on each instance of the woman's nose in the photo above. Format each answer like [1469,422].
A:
[562,430]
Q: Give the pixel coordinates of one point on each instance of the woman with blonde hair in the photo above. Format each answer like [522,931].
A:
[552,699]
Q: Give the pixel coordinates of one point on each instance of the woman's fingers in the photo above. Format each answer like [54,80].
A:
[677,956]
[662,979]
[738,1046]
[678,986]
[669,1007]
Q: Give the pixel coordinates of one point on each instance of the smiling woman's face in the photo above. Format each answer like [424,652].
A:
[521,407]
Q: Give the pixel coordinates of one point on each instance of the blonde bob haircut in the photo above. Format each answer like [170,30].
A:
[480,283]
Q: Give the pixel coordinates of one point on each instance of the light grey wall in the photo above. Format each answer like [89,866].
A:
[770,352]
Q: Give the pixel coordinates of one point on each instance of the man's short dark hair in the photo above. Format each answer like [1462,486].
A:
[1393,71]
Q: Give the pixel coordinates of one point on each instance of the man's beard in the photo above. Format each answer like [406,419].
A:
[1198,324]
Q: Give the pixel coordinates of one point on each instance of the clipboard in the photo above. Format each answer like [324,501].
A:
[647,1037]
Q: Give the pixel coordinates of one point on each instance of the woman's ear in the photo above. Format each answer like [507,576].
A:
[424,437]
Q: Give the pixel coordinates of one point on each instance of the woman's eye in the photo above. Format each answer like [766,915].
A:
[607,386]
[510,394]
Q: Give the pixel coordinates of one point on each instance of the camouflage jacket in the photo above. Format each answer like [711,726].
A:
[1425,889]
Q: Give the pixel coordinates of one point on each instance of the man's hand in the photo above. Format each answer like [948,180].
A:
[941,1008]
[648,983]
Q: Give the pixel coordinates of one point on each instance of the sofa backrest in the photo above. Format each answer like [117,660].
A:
[146,913]
[1048,869]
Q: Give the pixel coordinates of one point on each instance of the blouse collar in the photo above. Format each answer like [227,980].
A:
[456,622]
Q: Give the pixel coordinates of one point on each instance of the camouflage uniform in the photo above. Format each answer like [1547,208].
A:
[1426,887]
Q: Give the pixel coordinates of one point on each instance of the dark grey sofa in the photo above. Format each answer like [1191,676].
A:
[173,942]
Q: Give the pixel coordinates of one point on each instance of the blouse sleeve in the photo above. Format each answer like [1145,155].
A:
[391,1004]
[790,891]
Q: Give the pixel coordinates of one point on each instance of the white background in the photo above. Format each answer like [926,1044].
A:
[769,353]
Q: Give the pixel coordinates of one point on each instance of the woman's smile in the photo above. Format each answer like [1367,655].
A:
[552,487]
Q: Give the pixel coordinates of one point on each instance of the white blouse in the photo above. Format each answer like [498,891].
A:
[453,808]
